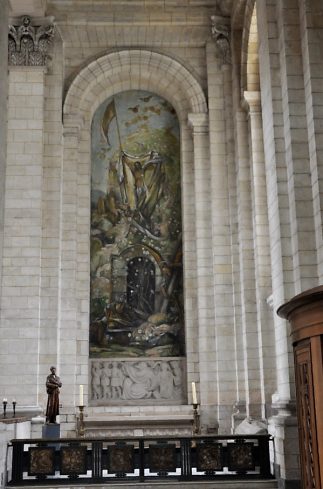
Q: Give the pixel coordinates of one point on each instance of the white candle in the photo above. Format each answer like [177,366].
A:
[194,397]
[81,396]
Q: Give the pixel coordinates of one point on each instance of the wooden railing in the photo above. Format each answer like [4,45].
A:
[143,459]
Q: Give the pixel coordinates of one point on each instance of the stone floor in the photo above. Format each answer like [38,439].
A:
[247,484]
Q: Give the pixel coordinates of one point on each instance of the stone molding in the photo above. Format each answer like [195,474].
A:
[221,35]
[252,101]
[28,44]
[199,122]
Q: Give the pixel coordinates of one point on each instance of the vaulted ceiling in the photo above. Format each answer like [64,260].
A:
[123,7]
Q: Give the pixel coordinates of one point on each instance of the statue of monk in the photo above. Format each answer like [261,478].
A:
[53,384]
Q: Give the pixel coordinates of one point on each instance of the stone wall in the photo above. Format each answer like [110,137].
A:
[251,137]
[3,114]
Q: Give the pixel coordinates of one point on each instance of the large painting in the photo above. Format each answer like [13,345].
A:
[136,232]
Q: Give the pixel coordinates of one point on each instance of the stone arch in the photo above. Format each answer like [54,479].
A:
[130,69]
[245,20]
[249,55]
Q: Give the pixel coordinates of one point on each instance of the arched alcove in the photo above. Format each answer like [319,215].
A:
[136,311]
[100,80]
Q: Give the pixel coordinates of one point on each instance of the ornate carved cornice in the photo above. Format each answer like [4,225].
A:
[28,44]
[221,36]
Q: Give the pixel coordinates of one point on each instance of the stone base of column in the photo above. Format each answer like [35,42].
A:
[285,449]
[209,419]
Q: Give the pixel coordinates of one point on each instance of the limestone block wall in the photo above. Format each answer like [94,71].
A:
[3,111]
[189,98]
[21,267]
[186,70]
[250,161]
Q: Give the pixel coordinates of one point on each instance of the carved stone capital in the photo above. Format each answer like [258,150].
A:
[252,101]
[28,44]
[221,35]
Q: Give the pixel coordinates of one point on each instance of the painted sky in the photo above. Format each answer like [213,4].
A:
[134,108]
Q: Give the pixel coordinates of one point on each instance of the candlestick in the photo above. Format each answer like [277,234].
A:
[196,420]
[81,396]
[80,422]
[14,407]
[4,403]
[194,396]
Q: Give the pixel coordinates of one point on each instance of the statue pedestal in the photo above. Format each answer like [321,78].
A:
[51,431]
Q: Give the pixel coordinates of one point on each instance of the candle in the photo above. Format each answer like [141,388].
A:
[81,396]
[194,397]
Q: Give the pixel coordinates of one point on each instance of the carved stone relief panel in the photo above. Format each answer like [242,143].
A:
[158,381]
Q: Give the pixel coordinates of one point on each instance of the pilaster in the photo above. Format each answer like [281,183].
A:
[274,117]
[205,303]
[3,115]
[68,300]
[20,302]
[218,55]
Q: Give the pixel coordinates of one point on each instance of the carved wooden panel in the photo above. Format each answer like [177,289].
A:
[41,461]
[306,415]
[162,457]
[121,459]
[73,460]
[209,457]
[240,457]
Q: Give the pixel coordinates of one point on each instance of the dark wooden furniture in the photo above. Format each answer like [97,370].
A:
[305,314]
[145,459]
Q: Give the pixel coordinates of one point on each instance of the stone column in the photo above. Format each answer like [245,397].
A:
[296,149]
[205,301]
[51,209]
[311,25]
[283,425]
[21,278]
[68,300]
[218,57]
[261,344]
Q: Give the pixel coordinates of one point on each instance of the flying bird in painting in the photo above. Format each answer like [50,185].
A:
[145,99]
[109,114]
[134,109]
